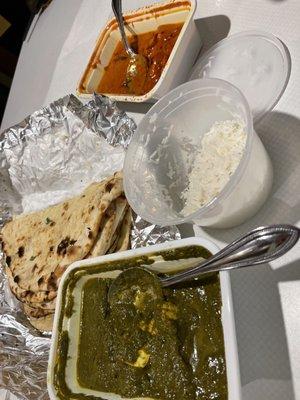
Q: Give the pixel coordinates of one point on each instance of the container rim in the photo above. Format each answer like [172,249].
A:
[234,178]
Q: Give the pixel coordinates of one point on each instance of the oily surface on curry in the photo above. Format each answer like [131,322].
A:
[155,46]
[170,348]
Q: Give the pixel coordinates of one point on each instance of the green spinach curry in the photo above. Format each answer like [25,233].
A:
[170,348]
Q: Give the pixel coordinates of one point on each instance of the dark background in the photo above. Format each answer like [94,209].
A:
[19,13]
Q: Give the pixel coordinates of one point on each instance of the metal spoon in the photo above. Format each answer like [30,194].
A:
[259,246]
[138,67]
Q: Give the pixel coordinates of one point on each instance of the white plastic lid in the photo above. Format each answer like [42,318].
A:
[256,62]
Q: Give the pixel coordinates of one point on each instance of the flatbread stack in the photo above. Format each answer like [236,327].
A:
[41,245]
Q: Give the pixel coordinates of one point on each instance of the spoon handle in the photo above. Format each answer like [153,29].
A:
[117,9]
[259,246]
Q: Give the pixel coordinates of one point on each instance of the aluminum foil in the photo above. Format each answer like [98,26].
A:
[51,155]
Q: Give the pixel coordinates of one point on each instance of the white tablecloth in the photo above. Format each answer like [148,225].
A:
[266,300]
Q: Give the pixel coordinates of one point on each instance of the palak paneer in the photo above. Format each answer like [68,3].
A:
[169,348]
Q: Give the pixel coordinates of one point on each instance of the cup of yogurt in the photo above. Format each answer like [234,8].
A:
[196,158]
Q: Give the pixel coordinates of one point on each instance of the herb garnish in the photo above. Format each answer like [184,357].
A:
[49,221]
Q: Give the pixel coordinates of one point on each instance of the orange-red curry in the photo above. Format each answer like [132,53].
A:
[156,46]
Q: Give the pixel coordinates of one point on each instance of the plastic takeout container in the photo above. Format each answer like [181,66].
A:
[71,324]
[144,20]
[160,157]
[252,70]
[256,62]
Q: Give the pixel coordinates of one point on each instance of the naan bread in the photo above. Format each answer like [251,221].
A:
[43,324]
[44,305]
[41,245]
[36,312]
[123,242]
[29,296]
[121,238]
[114,216]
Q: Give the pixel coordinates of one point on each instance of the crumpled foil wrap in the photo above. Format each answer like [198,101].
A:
[51,155]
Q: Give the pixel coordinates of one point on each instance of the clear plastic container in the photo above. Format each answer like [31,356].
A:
[256,62]
[160,157]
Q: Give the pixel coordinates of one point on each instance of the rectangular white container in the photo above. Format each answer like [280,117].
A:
[231,354]
[144,20]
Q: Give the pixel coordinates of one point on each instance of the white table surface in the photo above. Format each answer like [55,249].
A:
[266,302]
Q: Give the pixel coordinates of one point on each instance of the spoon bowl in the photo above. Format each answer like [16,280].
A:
[137,286]
[259,246]
[136,73]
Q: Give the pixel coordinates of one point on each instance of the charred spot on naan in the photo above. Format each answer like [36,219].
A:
[89,233]
[34,268]
[109,186]
[21,251]
[52,281]
[8,260]
[64,246]
[91,208]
